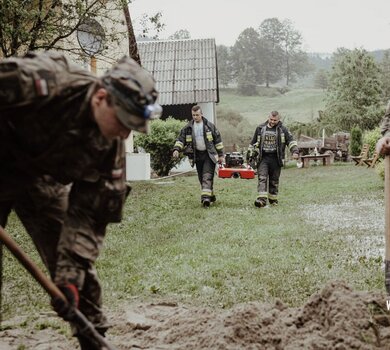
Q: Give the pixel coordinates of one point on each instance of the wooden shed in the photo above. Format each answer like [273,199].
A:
[186,74]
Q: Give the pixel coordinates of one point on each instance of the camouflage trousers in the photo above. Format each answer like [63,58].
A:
[205,168]
[67,244]
[268,172]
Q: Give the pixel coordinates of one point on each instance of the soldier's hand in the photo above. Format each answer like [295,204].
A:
[383,145]
[295,155]
[175,154]
[65,309]
[221,159]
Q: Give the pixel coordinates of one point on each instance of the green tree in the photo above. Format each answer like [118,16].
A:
[385,75]
[34,25]
[295,60]
[224,65]
[246,83]
[271,51]
[299,66]
[235,129]
[150,26]
[245,59]
[159,143]
[51,25]
[312,129]
[321,79]
[180,34]
[354,95]
[356,141]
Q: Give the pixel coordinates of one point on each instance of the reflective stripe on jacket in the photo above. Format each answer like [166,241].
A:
[212,138]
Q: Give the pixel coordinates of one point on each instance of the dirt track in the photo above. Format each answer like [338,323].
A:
[334,318]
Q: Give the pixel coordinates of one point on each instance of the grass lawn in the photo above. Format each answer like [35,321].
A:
[297,105]
[329,225]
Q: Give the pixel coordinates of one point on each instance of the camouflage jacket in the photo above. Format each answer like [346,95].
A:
[385,126]
[55,135]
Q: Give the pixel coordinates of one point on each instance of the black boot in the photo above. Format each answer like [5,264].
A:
[87,344]
[206,202]
[260,202]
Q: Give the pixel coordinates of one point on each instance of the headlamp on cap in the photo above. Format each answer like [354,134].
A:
[152,111]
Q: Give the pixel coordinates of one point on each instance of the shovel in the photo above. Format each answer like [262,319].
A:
[387,224]
[83,325]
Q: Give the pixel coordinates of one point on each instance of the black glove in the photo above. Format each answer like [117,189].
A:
[65,309]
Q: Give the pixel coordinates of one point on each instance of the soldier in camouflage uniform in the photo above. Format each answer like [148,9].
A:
[383,144]
[62,163]
[202,143]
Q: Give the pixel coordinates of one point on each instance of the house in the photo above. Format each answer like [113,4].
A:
[186,75]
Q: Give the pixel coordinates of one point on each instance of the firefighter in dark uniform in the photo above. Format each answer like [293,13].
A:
[62,132]
[202,143]
[268,144]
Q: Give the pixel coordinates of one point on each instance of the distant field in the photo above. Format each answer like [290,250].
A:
[297,105]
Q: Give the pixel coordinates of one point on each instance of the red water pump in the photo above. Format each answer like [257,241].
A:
[235,167]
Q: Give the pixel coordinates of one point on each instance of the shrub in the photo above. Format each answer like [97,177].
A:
[159,143]
[283,90]
[371,138]
[235,129]
[356,141]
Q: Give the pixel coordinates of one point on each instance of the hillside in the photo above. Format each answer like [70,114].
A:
[297,105]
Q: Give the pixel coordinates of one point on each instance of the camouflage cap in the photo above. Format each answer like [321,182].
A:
[133,92]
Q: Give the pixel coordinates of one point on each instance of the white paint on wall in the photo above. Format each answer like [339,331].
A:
[137,166]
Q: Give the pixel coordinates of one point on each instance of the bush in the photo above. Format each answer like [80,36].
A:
[356,141]
[246,89]
[371,138]
[283,90]
[159,143]
[235,129]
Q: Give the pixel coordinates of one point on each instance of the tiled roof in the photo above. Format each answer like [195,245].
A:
[185,70]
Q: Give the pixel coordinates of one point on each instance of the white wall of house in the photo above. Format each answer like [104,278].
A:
[137,166]
[208,109]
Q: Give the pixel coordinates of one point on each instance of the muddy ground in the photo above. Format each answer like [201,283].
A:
[336,317]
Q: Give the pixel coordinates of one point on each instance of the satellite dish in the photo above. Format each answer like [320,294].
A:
[91,36]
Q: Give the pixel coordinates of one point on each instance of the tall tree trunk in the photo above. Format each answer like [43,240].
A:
[133,49]
[287,71]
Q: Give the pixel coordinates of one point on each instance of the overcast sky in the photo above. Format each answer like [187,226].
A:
[325,25]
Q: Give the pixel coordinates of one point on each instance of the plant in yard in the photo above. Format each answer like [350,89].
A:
[356,140]
[159,143]
[354,95]
[371,138]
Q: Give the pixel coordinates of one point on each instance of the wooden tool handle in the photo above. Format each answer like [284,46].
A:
[30,266]
[387,208]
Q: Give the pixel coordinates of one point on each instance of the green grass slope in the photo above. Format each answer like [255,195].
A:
[296,105]
[329,225]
